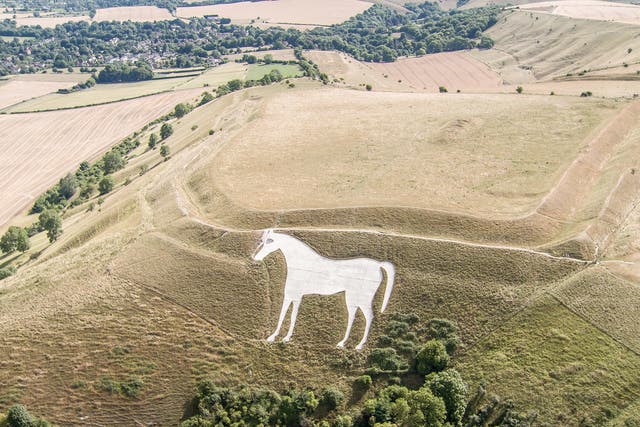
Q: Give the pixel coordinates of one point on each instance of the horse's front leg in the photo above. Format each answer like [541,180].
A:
[368,317]
[352,315]
[292,323]
[283,312]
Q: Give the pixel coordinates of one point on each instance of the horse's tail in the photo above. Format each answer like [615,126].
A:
[391,274]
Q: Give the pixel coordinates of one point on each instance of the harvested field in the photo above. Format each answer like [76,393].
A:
[338,164]
[24,87]
[133,13]
[588,9]
[99,94]
[54,143]
[453,70]
[307,12]
[49,21]
[549,46]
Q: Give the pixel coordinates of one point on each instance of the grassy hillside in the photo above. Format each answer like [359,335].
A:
[155,287]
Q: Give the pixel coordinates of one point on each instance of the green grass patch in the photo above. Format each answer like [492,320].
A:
[548,360]
[257,71]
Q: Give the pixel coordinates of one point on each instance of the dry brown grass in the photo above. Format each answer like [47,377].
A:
[306,12]
[133,13]
[588,9]
[550,45]
[438,152]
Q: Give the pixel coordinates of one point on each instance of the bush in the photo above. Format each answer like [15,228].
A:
[181,110]
[112,161]
[586,94]
[369,87]
[105,185]
[153,141]
[445,331]
[332,398]
[50,221]
[18,416]
[6,272]
[164,151]
[448,385]
[386,359]
[131,387]
[68,186]
[16,238]
[206,98]
[432,357]
[166,130]
[363,382]
[442,89]
[519,89]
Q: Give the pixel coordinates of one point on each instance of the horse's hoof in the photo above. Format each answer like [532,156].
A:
[359,346]
[340,345]
[272,338]
[286,339]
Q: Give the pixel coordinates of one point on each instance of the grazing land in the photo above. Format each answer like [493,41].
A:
[306,12]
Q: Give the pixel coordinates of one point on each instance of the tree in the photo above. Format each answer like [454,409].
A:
[432,357]
[206,98]
[105,185]
[68,186]
[16,238]
[332,398]
[18,416]
[166,130]
[50,221]
[164,151]
[180,110]
[448,385]
[153,140]
[112,161]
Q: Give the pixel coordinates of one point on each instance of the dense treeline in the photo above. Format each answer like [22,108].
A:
[408,382]
[92,5]
[378,34]
[119,72]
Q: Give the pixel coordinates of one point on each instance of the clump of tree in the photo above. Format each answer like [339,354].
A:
[15,239]
[166,130]
[181,109]
[51,222]
[165,152]
[19,416]
[121,72]
[90,82]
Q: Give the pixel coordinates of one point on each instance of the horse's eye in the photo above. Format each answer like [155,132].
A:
[269,241]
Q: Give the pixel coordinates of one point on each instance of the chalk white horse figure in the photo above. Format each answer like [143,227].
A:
[310,273]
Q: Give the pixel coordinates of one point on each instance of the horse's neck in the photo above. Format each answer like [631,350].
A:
[295,250]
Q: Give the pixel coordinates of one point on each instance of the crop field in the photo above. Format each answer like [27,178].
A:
[24,87]
[54,143]
[278,55]
[306,12]
[99,94]
[589,9]
[453,70]
[338,164]
[133,13]
[257,71]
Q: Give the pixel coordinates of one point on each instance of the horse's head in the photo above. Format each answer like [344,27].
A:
[267,245]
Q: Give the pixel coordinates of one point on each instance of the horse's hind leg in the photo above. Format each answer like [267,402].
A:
[283,312]
[352,315]
[368,317]
[294,315]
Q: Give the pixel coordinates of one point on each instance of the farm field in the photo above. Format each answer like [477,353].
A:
[133,13]
[306,12]
[588,9]
[453,70]
[24,87]
[278,55]
[54,143]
